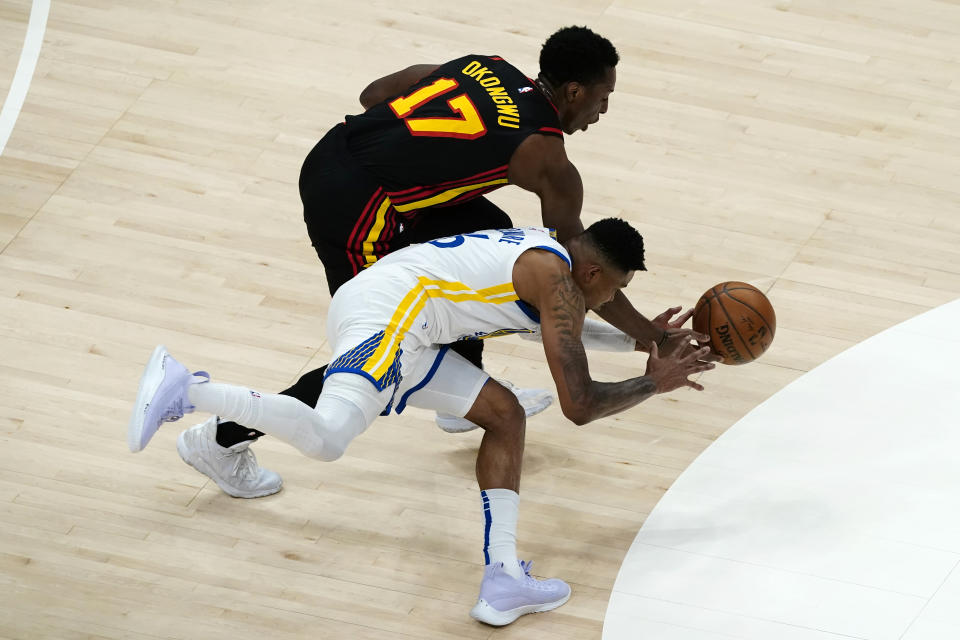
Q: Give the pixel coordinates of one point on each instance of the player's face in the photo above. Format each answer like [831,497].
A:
[604,287]
[589,102]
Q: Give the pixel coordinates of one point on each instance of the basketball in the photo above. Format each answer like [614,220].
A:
[739,319]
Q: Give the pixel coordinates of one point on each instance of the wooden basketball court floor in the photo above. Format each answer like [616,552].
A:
[148,194]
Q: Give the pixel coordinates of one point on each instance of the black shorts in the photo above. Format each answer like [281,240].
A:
[351,222]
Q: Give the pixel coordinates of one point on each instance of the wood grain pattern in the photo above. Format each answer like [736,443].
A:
[148,194]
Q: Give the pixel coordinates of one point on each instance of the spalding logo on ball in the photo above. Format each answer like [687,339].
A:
[739,320]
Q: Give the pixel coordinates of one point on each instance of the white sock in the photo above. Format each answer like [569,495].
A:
[500,510]
[322,433]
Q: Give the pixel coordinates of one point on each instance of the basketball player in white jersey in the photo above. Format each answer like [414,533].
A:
[387,326]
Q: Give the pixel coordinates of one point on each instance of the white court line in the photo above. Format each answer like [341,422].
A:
[28,62]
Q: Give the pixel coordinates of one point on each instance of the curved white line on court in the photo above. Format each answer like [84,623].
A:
[24,74]
[830,512]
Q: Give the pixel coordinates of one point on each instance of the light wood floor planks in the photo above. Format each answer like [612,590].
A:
[148,194]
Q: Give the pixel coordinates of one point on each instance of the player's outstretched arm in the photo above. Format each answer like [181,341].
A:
[596,336]
[394,84]
[546,282]
[621,313]
[540,165]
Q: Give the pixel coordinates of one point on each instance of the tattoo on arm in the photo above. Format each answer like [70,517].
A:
[597,398]
[614,397]
[568,312]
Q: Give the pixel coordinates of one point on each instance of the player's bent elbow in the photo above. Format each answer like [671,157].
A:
[578,415]
[371,95]
[366,100]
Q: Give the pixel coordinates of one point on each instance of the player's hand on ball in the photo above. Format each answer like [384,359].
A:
[675,337]
[664,320]
[672,371]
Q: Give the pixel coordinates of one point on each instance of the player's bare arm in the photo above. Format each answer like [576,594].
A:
[540,165]
[394,84]
[544,281]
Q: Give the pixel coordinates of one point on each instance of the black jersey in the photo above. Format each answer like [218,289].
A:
[449,138]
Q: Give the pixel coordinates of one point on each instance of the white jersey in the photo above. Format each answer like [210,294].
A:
[434,293]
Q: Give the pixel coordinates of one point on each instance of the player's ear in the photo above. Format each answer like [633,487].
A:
[594,271]
[573,90]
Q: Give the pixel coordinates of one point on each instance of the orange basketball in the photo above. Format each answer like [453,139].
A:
[739,320]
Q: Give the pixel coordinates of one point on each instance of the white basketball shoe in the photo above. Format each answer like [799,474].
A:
[234,469]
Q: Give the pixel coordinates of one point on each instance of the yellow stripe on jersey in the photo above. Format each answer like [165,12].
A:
[386,345]
[447,196]
[375,232]
[413,302]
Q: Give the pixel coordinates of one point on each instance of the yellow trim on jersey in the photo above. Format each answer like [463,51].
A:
[413,302]
[375,232]
[446,196]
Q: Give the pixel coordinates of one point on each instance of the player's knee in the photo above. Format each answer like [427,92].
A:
[515,415]
[313,447]
[508,416]
[325,449]
[332,451]
[335,424]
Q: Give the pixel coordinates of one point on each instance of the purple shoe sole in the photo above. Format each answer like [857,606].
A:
[161,397]
[487,614]
[138,433]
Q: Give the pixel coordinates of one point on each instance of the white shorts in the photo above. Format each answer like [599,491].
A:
[433,377]
[415,372]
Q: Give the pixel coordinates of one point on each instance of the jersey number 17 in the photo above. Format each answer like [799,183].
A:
[467,125]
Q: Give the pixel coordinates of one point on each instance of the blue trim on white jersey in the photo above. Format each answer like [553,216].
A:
[354,360]
[332,370]
[528,309]
[553,250]
[426,379]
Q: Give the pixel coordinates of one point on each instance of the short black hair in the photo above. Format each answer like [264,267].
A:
[576,54]
[619,243]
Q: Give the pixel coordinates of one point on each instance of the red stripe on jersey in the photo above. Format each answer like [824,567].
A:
[477,177]
[413,213]
[437,192]
[371,220]
[390,228]
[363,216]
[551,130]
[361,229]
[418,193]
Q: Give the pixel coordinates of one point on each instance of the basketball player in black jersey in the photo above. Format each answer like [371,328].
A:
[414,167]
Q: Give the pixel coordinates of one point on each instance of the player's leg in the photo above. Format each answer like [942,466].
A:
[201,450]
[341,204]
[458,388]
[168,391]
[348,405]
